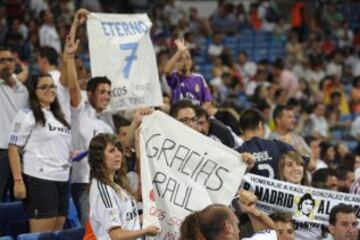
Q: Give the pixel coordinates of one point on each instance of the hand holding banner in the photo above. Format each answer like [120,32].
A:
[183,171]
[121,49]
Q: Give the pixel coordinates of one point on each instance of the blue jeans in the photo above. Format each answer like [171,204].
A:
[6,178]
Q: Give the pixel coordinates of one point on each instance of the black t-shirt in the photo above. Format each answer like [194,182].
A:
[221,132]
[267,154]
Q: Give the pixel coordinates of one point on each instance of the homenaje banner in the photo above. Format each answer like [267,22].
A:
[307,204]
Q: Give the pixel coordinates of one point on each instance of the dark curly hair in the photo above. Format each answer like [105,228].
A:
[97,166]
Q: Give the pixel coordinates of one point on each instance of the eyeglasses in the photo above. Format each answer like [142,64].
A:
[3,60]
[188,120]
[47,87]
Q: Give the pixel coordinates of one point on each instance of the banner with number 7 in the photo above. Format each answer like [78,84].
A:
[121,49]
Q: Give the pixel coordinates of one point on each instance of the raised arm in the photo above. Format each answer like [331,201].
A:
[259,220]
[181,49]
[71,47]
[70,71]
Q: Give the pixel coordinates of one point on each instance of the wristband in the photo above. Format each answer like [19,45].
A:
[18,179]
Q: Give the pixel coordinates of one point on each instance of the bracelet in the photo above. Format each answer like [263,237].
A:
[18,179]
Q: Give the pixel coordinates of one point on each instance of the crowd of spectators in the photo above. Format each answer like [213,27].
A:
[304,96]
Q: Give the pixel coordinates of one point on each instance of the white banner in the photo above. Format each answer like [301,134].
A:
[307,204]
[183,171]
[121,49]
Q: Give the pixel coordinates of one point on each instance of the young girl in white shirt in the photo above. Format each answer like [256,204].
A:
[42,134]
[113,212]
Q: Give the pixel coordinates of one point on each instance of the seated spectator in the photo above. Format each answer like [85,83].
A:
[343,223]
[216,47]
[355,95]
[286,79]
[345,177]
[317,125]
[333,118]
[48,34]
[325,179]
[223,20]
[246,68]
[334,95]
[355,128]
[284,119]
[327,155]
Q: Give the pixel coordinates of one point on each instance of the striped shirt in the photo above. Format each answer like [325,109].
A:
[109,210]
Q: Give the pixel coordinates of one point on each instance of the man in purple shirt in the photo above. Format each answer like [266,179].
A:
[183,82]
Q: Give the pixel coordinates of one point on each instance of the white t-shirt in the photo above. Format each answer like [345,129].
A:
[355,128]
[86,124]
[307,231]
[108,210]
[46,148]
[48,36]
[266,234]
[11,100]
[63,94]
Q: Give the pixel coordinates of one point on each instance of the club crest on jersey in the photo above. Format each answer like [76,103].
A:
[17,127]
[197,88]
[114,215]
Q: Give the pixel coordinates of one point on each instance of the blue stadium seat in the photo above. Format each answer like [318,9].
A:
[230,40]
[72,219]
[71,234]
[352,145]
[337,134]
[38,236]
[346,117]
[13,220]
[6,238]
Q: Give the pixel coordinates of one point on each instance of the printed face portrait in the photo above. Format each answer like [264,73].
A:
[307,206]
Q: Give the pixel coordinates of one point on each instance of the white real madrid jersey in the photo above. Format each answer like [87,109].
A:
[109,210]
[63,94]
[46,148]
[86,124]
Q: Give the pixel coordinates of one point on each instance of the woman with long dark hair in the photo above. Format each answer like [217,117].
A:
[113,211]
[43,136]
